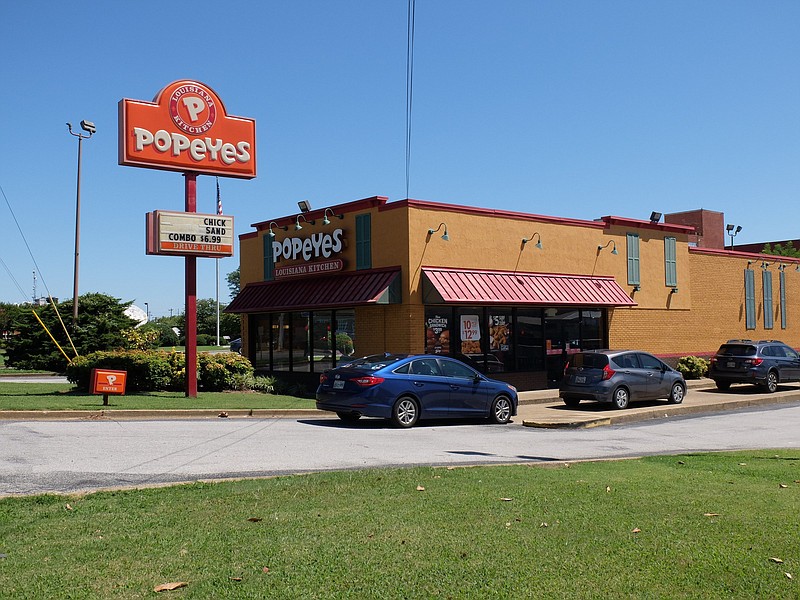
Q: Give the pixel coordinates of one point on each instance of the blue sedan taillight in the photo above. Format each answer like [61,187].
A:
[368,381]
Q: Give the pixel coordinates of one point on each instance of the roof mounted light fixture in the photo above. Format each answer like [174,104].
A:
[655,217]
[445,237]
[326,220]
[613,245]
[297,226]
[732,231]
[272,233]
[528,239]
[304,206]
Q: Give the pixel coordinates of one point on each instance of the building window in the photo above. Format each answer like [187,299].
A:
[766,284]
[269,262]
[670,262]
[364,241]
[782,282]
[633,259]
[750,298]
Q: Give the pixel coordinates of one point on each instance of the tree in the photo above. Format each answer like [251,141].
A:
[781,250]
[101,322]
[233,282]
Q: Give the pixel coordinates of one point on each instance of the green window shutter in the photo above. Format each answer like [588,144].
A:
[750,298]
[633,259]
[670,262]
[269,263]
[782,280]
[364,241]
[766,281]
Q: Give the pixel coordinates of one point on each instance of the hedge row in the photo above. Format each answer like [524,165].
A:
[156,370]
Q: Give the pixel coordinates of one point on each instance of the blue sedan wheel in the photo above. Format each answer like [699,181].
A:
[405,412]
[501,410]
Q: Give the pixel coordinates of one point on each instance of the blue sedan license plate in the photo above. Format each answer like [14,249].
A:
[338,384]
[580,379]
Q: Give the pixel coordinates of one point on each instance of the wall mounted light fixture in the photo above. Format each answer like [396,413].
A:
[326,220]
[765,265]
[673,290]
[637,288]
[297,226]
[272,233]
[529,239]
[613,245]
[445,237]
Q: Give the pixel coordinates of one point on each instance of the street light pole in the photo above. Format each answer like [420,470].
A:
[89,127]
[147,311]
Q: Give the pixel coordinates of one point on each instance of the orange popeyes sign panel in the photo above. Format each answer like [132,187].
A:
[186,128]
[106,381]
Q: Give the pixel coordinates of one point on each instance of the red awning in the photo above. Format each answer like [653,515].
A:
[353,288]
[459,286]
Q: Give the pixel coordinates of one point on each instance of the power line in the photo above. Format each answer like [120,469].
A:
[30,252]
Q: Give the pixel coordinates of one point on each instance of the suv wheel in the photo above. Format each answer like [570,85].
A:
[771,383]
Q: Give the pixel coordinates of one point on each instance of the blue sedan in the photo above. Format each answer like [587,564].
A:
[406,388]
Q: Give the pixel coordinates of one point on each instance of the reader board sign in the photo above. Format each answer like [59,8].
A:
[186,128]
[189,234]
[106,381]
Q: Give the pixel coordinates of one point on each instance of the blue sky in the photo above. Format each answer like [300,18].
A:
[574,109]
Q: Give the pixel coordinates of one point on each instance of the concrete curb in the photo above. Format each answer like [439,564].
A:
[144,415]
[666,411]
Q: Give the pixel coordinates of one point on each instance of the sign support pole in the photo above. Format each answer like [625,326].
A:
[191,295]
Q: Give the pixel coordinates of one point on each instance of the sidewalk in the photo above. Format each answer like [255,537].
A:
[544,409]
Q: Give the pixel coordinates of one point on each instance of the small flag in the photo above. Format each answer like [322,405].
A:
[219,200]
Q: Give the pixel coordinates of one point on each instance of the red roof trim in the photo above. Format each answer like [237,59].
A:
[738,254]
[507,214]
[639,224]
[355,205]
[462,286]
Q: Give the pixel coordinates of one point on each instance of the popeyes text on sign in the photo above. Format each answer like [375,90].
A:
[186,128]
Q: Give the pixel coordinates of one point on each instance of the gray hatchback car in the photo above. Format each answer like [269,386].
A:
[618,377]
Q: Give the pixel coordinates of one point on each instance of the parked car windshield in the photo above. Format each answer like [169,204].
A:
[737,350]
[588,360]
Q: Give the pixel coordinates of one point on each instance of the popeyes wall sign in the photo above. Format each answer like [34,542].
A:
[186,128]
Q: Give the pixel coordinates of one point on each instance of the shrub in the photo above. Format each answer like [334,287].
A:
[217,371]
[151,370]
[204,339]
[147,370]
[692,367]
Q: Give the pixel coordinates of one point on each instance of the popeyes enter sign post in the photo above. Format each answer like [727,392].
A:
[186,128]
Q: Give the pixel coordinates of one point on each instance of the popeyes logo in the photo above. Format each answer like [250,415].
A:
[186,128]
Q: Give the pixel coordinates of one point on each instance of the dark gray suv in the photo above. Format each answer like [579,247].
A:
[765,363]
[619,376]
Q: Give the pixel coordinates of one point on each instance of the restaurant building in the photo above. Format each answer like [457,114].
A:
[513,293]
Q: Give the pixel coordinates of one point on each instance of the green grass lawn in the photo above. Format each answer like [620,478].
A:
[692,526]
[60,396]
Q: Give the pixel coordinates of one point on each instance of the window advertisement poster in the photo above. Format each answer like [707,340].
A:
[437,333]
[499,333]
[470,334]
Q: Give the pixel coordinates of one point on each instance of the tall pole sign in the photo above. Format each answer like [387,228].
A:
[187,129]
